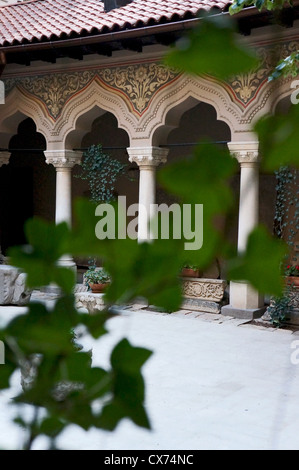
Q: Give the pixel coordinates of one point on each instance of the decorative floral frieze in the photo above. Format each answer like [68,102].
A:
[204,289]
[139,82]
[136,83]
[54,90]
[243,88]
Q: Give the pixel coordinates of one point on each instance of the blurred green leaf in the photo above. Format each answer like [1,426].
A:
[128,387]
[95,323]
[51,426]
[136,268]
[76,367]
[212,48]
[151,271]
[114,412]
[204,179]
[287,66]
[129,359]
[238,5]
[6,371]
[39,259]
[82,240]
[42,331]
[261,263]
[278,137]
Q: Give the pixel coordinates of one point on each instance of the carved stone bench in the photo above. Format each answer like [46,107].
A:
[204,295]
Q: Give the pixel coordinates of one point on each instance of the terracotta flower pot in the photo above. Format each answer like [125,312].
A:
[189,272]
[98,288]
[293,281]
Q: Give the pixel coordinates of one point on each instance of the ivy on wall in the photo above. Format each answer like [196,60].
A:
[101,171]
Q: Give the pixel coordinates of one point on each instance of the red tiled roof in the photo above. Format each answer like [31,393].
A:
[49,20]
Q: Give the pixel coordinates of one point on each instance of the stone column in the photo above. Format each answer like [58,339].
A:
[245,301]
[64,161]
[147,158]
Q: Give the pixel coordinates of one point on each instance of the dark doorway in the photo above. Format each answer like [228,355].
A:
[16,204]
[27,185]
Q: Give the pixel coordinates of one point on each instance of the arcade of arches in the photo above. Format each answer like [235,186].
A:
[142,126]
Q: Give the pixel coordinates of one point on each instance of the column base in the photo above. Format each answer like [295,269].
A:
[244,302]
[64,262]
[51,289]
[68,262]
[244,297]
[245,314]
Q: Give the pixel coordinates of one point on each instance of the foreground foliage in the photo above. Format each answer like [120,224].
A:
[65,386]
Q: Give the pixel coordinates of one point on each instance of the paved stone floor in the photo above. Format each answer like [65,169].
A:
[212,383]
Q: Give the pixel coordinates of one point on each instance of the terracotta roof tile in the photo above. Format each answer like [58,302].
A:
[42,20]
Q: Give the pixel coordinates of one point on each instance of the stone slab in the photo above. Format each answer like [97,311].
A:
[201,306]
[246,314]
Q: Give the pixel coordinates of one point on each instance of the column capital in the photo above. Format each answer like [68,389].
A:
[63,158]
[4,158]
[247,153]
[149,157]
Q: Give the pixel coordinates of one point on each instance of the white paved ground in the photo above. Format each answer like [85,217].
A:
[212,383]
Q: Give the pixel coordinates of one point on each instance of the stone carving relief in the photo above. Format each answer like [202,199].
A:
[139,82]
[148,157]
[54,90]
[63,159]
[138,85]
[204,289]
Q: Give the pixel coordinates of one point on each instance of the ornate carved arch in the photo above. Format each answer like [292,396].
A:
[181,92]
[18,106]
[80,111]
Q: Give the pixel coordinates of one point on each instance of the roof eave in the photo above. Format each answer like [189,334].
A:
[119,35]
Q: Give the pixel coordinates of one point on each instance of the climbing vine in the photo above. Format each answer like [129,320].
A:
[286,225]
[286,220]
[101,171]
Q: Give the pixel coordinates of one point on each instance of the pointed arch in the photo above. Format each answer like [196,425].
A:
[18,106]
[184,94]
[82,109]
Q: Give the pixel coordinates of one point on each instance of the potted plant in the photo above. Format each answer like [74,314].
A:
[190,270]
[292,275]
[97,279]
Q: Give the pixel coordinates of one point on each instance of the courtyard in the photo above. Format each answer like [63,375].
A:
[213,382]
[81,78]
